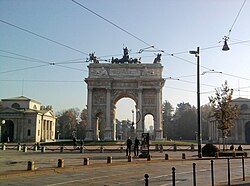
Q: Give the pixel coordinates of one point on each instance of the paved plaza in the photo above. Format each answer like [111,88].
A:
[120,172]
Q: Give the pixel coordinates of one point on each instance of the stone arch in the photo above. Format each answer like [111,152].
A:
[108,83]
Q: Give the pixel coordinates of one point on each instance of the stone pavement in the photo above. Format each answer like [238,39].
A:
[14,163]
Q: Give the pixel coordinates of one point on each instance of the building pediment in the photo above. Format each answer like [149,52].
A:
[48,113]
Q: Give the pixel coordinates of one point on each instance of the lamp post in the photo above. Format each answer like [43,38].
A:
[133,121]
[197,55]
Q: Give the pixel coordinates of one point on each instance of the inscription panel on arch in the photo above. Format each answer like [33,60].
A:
[122,85]
[124,72]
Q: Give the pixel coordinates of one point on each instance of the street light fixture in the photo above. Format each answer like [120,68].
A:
[197,55]
[225,46]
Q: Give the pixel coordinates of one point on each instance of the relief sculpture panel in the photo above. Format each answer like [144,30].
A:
[149,97]
[99,96]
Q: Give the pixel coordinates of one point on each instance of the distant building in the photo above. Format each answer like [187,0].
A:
[25,120]
[240,133]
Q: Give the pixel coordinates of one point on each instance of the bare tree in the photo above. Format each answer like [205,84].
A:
[223,111]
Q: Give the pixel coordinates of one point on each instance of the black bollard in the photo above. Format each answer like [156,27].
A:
[109,159]
[166,157]
[212,172]
[243,169]
[86,161]
[146,176]
[183,156]
[60,163]
[228,171]
[173,176]
[31,165]
[194,174]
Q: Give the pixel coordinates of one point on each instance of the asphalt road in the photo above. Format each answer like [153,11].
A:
[121,172]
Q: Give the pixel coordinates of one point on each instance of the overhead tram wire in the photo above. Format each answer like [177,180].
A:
[173,54]
[120,28]
[180,89]
[110,22]
[117,26]
[43,81]
[43,37]
[18,58]
[230,30]
[26,57]
[30,59]
[146,43]
[21,69]
[71,68]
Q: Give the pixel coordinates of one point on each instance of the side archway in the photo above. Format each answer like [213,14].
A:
[7,131]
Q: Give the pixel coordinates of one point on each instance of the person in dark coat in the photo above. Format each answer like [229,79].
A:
[136,147]
[240,148]
[129,144]
[74,142]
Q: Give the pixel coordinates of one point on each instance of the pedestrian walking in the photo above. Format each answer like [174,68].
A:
[74,142]
[129,144]
[136,147]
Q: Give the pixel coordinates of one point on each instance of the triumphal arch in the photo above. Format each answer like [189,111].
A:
[126,77]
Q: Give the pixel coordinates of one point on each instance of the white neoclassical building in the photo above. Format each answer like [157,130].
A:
[26,120]
[240,133]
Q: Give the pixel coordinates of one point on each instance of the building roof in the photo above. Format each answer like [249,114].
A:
[4,110]
[20,98]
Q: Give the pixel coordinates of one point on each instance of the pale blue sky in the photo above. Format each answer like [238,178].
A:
[171,25]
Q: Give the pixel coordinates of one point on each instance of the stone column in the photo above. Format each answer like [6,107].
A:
[89,130]
[158,120]
[44,130]
[47,130]
[139,115]
[108,128]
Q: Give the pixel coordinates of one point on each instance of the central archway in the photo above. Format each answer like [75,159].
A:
[124,118]
[108,83]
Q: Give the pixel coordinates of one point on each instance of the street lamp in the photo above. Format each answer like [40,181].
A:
[225,46]
[133,121]
[197,55]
